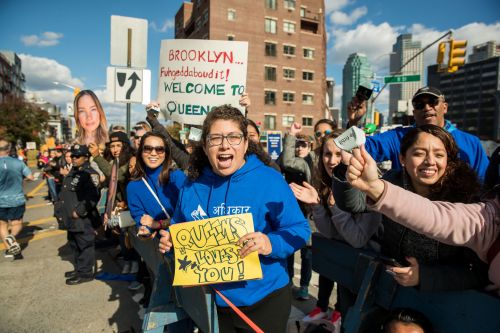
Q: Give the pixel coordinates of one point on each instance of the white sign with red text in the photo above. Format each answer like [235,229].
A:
[197,75]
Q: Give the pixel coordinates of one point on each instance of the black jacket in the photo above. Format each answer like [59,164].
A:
[79,194]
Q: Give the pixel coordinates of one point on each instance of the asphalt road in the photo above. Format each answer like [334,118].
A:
[35,297]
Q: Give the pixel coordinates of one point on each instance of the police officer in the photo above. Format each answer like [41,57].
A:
[79,197]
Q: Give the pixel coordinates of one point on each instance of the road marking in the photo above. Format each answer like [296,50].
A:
[43,194]
[40,221]
[37,236]
[37,188]
[37,205]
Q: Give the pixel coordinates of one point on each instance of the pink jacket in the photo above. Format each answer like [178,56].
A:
[476,226]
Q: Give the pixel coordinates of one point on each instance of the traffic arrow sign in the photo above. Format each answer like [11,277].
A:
[129,85]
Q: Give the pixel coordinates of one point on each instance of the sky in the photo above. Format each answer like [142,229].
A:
[69,42]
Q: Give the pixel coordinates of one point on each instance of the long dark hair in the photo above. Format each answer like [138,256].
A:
[321,180]
[459,182]
[198,158]
[125,153]
[140,166]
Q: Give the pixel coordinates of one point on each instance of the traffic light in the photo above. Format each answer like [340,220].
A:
[456,55]
[441,51]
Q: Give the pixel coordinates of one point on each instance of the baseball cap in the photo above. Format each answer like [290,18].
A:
[118,136]
[80,150]
[428,91]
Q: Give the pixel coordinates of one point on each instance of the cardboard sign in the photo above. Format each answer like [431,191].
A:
[350,139]
[197,75]
[206,251]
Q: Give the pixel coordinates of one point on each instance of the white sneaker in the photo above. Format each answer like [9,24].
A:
[134,268]
[126,267]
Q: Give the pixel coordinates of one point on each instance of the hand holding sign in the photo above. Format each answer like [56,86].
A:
[350,139]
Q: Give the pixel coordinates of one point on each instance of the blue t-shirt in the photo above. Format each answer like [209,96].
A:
[12,172]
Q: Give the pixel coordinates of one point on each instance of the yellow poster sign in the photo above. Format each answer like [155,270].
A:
[206,251]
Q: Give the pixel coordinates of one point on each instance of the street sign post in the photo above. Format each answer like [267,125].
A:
[401,78]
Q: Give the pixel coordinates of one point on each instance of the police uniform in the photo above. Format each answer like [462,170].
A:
[80,195]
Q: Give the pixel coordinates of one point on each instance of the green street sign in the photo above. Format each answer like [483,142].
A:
[401,78]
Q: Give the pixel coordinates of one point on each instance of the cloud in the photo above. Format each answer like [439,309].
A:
[341,18]
[333,5]
[45,39]
[167,24]
[373,40]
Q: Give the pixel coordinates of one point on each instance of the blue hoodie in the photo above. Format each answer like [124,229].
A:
[275,213]
[141,201]
[385,146]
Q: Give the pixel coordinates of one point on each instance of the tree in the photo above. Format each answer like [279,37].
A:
[22,120]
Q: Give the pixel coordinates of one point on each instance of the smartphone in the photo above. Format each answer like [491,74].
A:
[363,93]
[154,111]
[390,261]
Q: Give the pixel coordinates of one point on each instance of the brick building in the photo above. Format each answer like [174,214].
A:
[286,77]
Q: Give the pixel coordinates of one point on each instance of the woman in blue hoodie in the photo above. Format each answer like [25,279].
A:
[228,170]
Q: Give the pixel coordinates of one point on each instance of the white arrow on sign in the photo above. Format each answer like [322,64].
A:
[129,85]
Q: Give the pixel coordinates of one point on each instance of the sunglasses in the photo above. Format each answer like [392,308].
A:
[149,149]
[420,104]
[319,133]
[301,144]
[76,156]
[137,137]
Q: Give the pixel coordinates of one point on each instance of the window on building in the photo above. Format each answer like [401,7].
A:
[288,26]
[271,4]
[270,49]
[307,76]
[308,53]
[270,97]
[198,23]
[288,120]
[289,4]
[289,73]
[307,99]
[270,73]
[302,11]
[289,50]
[269,122]
[231,14]
[271,25]
[307,121]
[230,37]
[288,96]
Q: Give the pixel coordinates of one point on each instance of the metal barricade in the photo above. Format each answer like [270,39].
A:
[364,275]
[169,305]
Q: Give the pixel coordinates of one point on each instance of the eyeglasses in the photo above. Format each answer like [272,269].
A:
[233,139]
[420,104]
[301,144]
[149,149]
[319,133]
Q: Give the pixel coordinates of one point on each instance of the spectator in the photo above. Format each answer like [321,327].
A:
[429,107]
[333,222]
[12,200]
[406,321]
[432,169]
[472,225]
[226,170]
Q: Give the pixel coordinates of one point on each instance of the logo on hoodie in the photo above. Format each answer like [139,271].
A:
[199,214]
